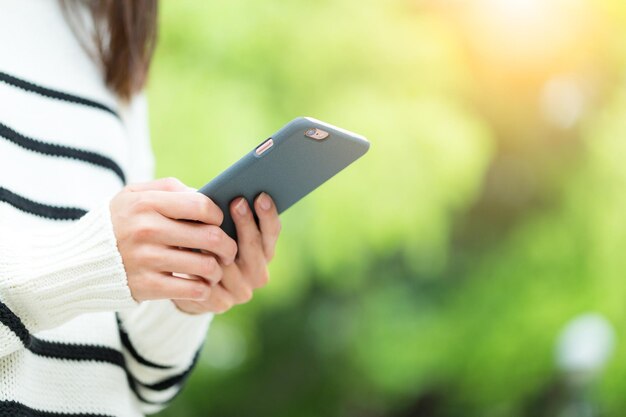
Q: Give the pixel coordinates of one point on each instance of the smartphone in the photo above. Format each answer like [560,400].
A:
[290,164]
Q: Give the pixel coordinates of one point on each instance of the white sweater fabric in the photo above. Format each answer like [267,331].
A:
[73,342]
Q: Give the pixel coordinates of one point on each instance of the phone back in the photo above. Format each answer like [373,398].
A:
[291,168]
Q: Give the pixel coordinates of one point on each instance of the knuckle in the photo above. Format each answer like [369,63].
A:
[253,239]
[206,208]
[141,204]
[145,255]
[263,278]
[199,292]
[213,210]
[207,266]
[230,247]
[172,184]
[221,306]
[219,274]
[269,254]
[215,234]
[205,205]
[145,229]
[246,295]
[218,213]
[234,249]
[197,203]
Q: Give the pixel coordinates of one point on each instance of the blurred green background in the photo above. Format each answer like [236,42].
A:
[433,277]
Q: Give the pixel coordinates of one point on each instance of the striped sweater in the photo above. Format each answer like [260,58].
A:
[73,342]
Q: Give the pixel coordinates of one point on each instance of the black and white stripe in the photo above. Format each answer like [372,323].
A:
[63,123]
[10,408]
[59,151]
[67,145]
[23,145]
[131,349]
[22,152]
[54,94]
[100,354]
[39,209]
[53,182]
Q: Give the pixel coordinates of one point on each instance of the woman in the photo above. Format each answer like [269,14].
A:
[102,308]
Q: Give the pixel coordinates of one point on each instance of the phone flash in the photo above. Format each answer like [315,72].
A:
[317,134]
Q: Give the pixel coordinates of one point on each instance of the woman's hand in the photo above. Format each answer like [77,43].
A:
[152,222]
[249,271]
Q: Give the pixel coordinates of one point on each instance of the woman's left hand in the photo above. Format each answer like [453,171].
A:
[256,245]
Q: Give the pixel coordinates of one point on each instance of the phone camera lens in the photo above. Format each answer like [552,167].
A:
[315,133]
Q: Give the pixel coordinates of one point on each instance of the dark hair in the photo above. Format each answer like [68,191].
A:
[124,34]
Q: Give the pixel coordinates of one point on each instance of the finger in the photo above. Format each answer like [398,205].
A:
[188,262]
[237,286]
[248,235]
[191,306]
[269,223]
[198,236]
[166,286]
[184,205]
[219,301]
[162,184]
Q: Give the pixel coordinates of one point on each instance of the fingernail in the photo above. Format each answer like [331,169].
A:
[241,207]
[264,201]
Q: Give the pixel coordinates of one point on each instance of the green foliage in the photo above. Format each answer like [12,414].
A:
[395,282]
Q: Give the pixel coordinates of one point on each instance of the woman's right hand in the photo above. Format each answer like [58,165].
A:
[156,225]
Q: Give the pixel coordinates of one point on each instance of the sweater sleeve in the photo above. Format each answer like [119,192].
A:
[49,277]
[161,344]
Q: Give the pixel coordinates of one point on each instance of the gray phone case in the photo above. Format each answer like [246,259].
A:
[291,168]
